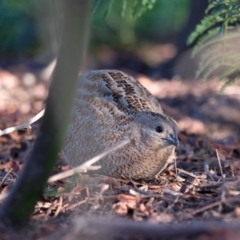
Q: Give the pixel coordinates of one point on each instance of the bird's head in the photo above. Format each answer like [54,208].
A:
[155,130]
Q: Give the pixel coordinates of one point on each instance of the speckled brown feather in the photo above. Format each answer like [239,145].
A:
[109,107]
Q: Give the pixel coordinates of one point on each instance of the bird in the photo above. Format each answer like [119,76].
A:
[109,107]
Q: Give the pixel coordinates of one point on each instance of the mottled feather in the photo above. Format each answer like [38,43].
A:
[109,107]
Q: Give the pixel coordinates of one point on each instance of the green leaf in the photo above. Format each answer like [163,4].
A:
[109,8]
[214,43]
[228,83]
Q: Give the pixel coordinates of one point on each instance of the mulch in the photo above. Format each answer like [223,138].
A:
[203,184]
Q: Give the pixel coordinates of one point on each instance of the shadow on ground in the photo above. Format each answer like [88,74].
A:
[198,107]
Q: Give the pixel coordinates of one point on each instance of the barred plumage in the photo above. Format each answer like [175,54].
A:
[109,107]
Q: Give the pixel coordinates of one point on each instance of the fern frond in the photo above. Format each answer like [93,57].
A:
[229,72]
[205,41]
[211,70]
[137,7]
[140,6]
[205,25]
[124,7]
[228,83]
[208,59]
[214,39]
[109,8]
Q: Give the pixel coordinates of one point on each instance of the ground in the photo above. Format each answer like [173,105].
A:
[202,185]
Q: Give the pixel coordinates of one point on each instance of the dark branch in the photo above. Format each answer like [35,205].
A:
[19,205]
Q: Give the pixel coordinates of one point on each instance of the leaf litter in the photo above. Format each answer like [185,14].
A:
[203,184]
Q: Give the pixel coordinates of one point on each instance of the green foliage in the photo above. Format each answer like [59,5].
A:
[17,32]
[214,38]
[164,21]
[137,7]
[129,23]
[140,6]
[28,27]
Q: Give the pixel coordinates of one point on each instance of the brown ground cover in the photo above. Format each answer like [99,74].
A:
[203,185]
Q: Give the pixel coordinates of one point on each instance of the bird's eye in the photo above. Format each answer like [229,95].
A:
[159,129]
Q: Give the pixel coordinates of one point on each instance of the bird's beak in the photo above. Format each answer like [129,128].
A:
[172,140]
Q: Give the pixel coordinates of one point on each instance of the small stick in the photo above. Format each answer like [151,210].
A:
[203,209]
[187,173]
[77,204]
[87,165]
[214,204]
[60,206]
[206,171]
[5,177]
[83,167]
[219,163]
[24,125]
[175,165]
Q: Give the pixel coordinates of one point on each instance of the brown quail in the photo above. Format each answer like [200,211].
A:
[111,106]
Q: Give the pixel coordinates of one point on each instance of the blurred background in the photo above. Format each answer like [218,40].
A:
[150,47]
[29,32]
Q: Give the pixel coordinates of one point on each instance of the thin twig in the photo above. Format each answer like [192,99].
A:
[215,204]
[172,192]
[203,209]
[206,171]
[24,125]
[187,173]
[87,165]
[76,204]
[175,166]
[60,207]
[82,168]
[108,228]
[5,177]
[219,163]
